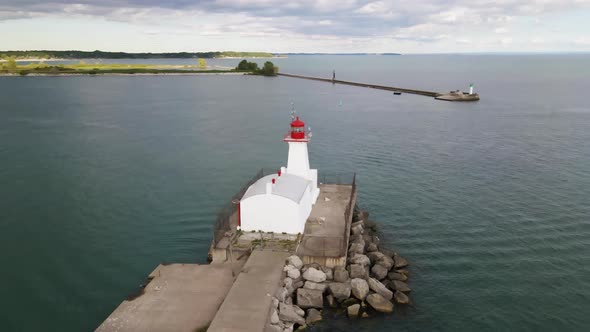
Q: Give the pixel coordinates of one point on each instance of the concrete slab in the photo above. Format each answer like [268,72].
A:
[247,305]
[326,231]
[180,297]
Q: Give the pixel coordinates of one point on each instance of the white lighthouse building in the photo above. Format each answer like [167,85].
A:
[282,202]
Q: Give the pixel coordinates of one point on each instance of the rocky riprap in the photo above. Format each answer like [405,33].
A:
[373,280]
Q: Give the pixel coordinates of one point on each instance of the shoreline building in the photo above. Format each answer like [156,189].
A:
[282,202]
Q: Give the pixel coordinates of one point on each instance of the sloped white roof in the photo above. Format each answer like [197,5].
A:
[287,185]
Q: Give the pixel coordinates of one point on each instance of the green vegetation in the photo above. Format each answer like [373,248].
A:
[244,65]
[10,66]
[43,54]
[268,69]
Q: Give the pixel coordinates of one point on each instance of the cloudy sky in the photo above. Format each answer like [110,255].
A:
[406,26]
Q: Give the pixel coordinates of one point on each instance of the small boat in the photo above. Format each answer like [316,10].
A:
[397,93]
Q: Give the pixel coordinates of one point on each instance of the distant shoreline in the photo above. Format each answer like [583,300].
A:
[101,59]
[39,60]
[125,74]
[76,54]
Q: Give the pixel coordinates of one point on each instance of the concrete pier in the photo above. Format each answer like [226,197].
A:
[325,240]
[247,305]
[179,297]
[381,87]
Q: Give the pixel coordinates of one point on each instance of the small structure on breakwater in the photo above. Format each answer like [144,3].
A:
[457,95]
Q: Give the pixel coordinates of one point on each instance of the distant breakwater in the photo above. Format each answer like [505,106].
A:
[366,85]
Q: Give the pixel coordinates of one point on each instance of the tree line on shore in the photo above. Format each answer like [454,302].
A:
[268,69]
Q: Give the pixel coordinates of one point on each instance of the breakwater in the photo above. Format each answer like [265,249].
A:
[366,85]
[451,96]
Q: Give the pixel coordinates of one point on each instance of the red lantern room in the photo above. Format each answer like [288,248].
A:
[297,132]
[297,129]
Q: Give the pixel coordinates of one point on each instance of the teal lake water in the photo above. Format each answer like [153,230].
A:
[103,178]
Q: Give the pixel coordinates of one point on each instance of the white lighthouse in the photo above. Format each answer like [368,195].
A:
[298,160]
[282,202]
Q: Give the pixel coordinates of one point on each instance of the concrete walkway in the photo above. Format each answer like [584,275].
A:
[180,297]
[247,305]
[326,232]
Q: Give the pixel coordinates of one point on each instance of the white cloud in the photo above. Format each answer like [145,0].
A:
[582,41]
[506,41]
[386,25]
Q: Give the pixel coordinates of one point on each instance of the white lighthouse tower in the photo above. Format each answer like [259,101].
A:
[282,202]
[298,159]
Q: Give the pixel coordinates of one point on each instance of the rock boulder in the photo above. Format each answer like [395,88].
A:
[400,286]
[400,262]
[287,313]
[379,271]
[353,310]
[299,311]
[314,275]
[380,303]
[295,261]
[274,316]
[357,230]
[375,256]
[292,272]
[310,298]
[387,252]
[396,276]
[288,282]
[313,315]
[359,288]
[282,294]
[315,286]
[357,271]
[340,290]
[386,262]
[357,248]
[372,247]
[340,274]
[360,259]
[379,288]
[401,298]
[307,266]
